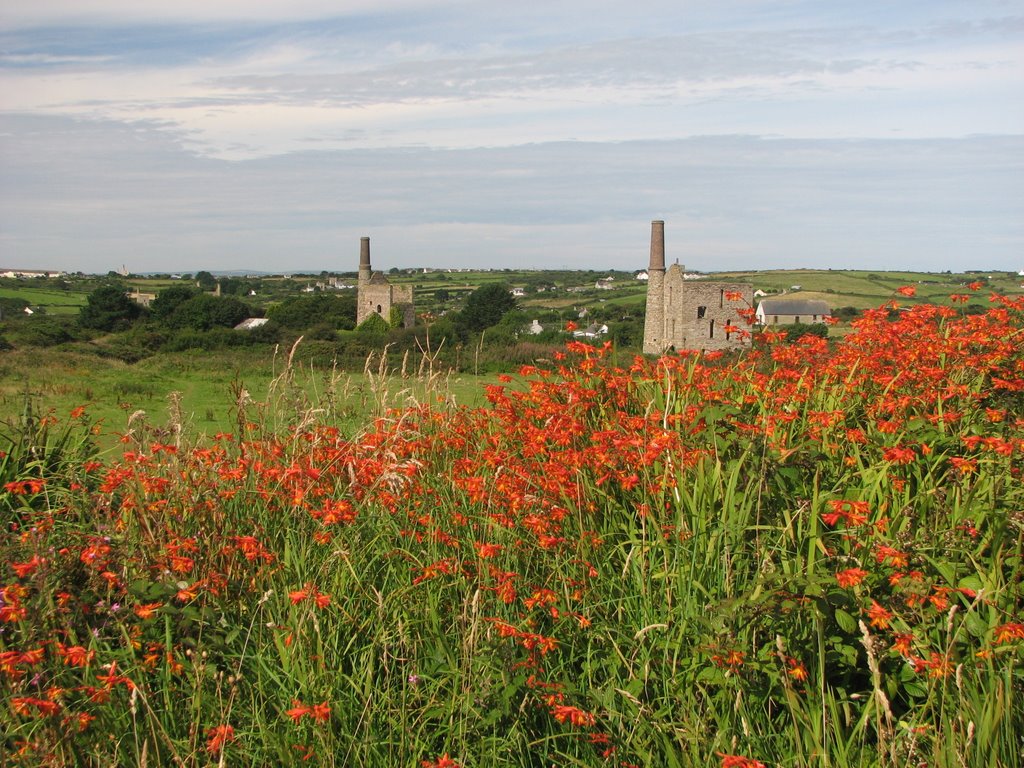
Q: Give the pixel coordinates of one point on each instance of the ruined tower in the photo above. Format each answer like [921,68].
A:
[691,314]
[377,296]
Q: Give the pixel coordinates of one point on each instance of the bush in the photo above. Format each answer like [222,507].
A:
[108,308]
[797,331]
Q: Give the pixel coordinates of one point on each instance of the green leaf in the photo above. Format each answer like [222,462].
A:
[845,621]
[916,690]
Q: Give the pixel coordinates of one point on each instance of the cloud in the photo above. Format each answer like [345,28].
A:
[95,196]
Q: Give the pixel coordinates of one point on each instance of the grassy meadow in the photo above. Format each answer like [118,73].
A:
[807,554]
[200,392]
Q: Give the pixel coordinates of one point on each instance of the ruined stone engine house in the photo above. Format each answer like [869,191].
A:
[690,314]
[378,296]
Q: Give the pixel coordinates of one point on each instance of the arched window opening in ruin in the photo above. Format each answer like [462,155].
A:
[721,298]
[727,333]
[700,312]
[712,329]
[378,309]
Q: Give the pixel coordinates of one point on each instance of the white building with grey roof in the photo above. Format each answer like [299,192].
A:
[789,311]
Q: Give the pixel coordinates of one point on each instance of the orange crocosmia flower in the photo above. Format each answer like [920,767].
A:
[894,557]
[320,712]
[964,466]
[734,295]
[147,610]
[442,762]
[298,711]
[796,670]
[899,454]
[851,577]
[22,570]
[322,600]
[938,665]
[298,595]
[1007,633]
[738,761]
[187,594]
[485,551]
[76,655]
[907,290]
[903,643]
[880,617]
[218,737]
[575,716]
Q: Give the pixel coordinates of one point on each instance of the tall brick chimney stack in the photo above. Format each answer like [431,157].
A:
[657,246]
[365,272]
[654,318]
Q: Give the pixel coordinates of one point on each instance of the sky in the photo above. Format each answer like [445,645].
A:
[272,135]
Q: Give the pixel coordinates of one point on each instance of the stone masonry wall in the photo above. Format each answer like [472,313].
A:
[694,314]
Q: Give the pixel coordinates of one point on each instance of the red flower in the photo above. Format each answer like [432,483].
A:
[851,577]
[907,290]
[880,617]
[738,761]
[298,711]
[218,737]
[573,715]
[442,762]
[1007,633]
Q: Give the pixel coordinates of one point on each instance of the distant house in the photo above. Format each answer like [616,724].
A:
[518,292]
[605,284]
[142,299]
[26,273]
[591,331]
[789,311]
[642,275]
[535,327]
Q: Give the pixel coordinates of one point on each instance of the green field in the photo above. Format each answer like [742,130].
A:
[51,301]
[208,386]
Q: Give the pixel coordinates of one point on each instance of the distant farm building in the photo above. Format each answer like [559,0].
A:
[691,314]
[142,299]
[378,296]
[789,311]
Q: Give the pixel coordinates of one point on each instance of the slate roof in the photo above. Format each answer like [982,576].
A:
[794,307]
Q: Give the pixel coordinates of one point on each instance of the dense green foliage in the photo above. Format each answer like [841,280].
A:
[299,313]
[109,309]
[485,307]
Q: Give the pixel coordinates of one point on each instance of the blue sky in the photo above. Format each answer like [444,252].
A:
[272,136]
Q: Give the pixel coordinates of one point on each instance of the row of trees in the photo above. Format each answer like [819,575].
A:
[109,308]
